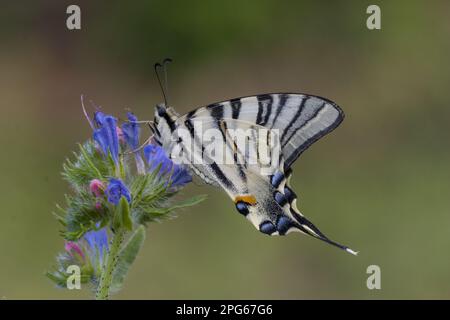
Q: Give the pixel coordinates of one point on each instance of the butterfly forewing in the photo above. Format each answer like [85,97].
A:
[299,118]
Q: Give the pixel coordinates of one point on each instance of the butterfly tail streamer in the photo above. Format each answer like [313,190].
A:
[307,227]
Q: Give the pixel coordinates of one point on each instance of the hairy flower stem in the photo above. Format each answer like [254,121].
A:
[110,265]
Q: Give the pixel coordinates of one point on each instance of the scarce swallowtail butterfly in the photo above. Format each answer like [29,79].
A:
[247,147]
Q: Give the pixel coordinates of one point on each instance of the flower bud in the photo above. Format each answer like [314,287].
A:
[72,247]
[97,187]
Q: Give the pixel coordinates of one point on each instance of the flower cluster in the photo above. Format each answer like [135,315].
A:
[107,136]
[118,187]
[88,253]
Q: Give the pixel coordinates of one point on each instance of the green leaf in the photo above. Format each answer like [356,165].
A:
[127,256]
[89,162]
[190,202]
[155,211]
[183,204]
[126,217]
[81,215]
[138,187]
[57,277]
[122,216]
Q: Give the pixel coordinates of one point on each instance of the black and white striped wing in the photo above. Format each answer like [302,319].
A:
[267,201]
[300,118]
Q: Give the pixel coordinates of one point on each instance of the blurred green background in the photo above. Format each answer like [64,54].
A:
[380,183]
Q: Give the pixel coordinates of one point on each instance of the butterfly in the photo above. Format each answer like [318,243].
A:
[227,144]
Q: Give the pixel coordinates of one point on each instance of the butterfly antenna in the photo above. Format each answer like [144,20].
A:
[157,66]
[166,82]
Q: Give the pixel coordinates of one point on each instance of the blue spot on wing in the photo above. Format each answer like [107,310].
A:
[242,208]
[267,227]
[280,198]
[289,194]
[277,178]
[283,224]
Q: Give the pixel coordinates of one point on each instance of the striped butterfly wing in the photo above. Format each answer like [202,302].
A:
[227,165]
[267,201]
[300,119]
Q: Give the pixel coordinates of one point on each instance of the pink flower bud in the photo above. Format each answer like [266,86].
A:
[98,206]
[72,247]
[97,187]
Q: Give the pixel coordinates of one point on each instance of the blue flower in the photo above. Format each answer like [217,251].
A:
[131,131]
[156,156]
[97,239]
[180,176]
[115,190]
[96,245]
[99,118]
[106,134]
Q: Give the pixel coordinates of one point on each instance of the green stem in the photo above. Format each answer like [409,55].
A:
[109,266]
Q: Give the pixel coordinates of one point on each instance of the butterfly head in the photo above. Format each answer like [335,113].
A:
[160,109]
[164,124]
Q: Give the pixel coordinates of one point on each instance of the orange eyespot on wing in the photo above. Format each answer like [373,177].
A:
[247,198]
